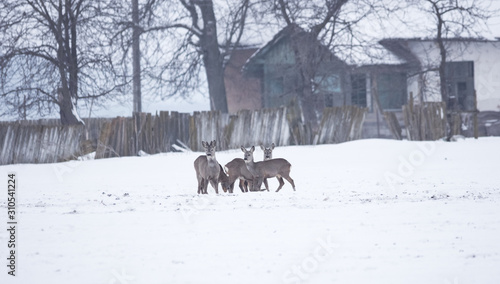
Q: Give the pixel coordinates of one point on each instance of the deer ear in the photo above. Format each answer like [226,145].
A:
[272,146]
[252,149]
[215,143]
[204,144]
[262,147]
[243,149]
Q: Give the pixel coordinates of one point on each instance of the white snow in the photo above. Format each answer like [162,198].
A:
[368,211]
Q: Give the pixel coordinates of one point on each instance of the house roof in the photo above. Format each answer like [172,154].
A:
[374,55]
[400,46]
[258,57]
[254,63]
[401,50]
[386,52]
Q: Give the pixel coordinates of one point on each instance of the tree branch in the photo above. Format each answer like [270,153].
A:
[284,13]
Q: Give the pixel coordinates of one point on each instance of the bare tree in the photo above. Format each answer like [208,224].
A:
[54,53]
[191,28]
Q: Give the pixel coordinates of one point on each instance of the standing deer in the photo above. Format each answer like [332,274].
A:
[237,169]
[267,169]
[208,169]
[268,155]
[223,178]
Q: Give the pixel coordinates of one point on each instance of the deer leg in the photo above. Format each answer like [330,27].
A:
[257,183]
[200,183]
[242,185]
[265,183]
[290,180]
[248,185]
[215,185]
[280,179]
[204,184]
[231,181]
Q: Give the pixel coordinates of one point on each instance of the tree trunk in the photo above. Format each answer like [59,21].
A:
[306,63]
[442,52]
[71,49]
[67,110]
[136,58]
[212,58]
[442,71]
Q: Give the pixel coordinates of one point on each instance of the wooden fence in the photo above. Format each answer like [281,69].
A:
[45,141]
[425,121]
[341,124]
[39,143]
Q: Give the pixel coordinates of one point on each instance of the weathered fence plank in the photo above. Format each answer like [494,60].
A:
[341,124]
[393,124]
[425,121]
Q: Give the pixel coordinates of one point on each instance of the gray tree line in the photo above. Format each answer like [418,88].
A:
[57,55]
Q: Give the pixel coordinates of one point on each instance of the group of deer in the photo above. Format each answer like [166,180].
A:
[249,172]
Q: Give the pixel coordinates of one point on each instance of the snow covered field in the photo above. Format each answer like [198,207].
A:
[368,211]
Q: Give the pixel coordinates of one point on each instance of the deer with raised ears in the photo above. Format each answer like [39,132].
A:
[208,169]
[268,152]
[267,169]
[268,155]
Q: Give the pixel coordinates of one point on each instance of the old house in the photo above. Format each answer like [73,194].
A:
[276,64]
[406,67]
[335,83]
[472,76]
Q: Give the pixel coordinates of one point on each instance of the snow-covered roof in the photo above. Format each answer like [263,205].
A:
[395,51]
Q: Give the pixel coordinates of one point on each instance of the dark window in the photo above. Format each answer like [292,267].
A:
[329,87]
[391,88]
[329,100]
[358,83]
[460,85]
[326,84]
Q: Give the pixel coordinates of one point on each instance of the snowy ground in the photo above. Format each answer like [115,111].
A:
[369,211]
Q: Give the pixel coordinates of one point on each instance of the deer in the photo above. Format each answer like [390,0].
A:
[237,169]
[266,169]
[223,178]
[268,155]
[209,170]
